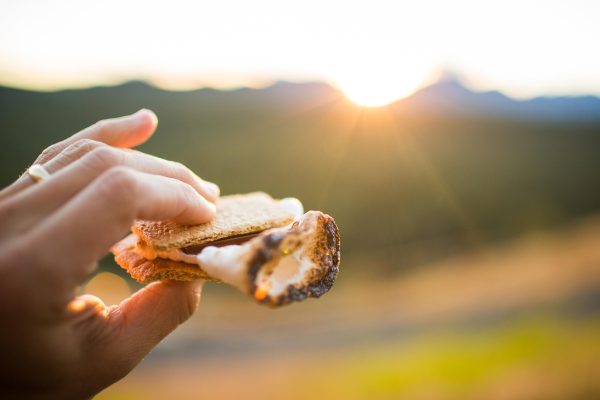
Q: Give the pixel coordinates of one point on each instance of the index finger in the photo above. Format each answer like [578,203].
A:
[127,131]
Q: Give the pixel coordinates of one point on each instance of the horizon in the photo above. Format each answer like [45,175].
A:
[375,54]
[436,79]
[442,78]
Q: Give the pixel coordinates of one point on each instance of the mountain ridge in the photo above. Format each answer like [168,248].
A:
[446,96]
[451,96]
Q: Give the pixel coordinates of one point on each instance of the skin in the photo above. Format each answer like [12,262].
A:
[55,343]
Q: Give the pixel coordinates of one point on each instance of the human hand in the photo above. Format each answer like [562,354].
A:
[57,344]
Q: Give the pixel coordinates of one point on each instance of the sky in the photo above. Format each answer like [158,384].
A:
[375,51]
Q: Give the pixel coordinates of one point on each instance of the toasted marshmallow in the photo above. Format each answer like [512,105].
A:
[280,265]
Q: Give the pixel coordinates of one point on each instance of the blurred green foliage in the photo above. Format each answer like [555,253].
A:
[471,364]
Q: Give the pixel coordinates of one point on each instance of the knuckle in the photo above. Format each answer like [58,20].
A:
[178,166]
[104,157]
[185,198]
[182,171]
[188,194]
[118,183]
[82,146]
[49,152]
[100,126]
[77,150]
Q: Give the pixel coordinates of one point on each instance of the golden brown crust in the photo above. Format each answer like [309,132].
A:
[321,245]
[236,215]
[145,271]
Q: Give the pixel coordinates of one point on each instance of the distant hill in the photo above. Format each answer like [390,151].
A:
[450,96]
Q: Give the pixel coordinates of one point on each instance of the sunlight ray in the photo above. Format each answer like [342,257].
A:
[473,233]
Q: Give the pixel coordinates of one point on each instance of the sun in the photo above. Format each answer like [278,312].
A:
[372,95]
[377,91]
[374,81]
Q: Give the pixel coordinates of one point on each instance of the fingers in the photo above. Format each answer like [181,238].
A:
[82,231]
[98,157]
[127,131]
[46,197]
[72,153]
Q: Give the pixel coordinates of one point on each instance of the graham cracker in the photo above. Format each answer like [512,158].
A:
[238,214]
[146,271]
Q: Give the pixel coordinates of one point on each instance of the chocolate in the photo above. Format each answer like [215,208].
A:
[239,239]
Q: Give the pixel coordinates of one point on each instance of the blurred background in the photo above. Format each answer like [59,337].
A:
[457,145]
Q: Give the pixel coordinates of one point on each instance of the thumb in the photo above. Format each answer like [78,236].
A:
[145,318]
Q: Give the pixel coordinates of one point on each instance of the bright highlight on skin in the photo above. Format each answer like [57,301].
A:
[76,306]
[111,288]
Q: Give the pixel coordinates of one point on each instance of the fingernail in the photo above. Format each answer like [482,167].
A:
[212,207]
[197,286]
[211,188]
